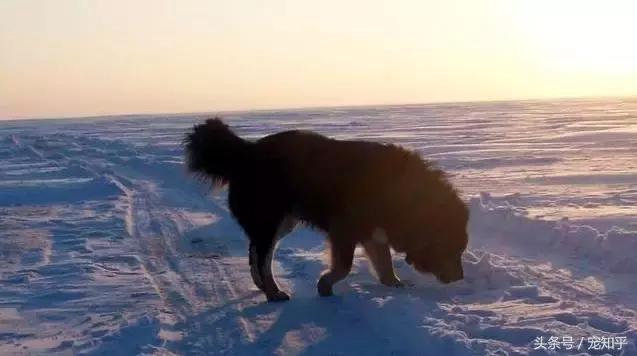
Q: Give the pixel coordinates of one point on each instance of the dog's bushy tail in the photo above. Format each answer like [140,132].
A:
[215,152]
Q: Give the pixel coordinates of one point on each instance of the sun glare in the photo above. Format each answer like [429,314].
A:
[595,37]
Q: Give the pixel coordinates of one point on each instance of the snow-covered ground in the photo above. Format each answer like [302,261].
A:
[107,247]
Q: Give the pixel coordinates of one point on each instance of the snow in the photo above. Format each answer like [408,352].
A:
[108,247]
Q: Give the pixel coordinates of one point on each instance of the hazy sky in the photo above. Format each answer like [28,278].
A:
[85,57]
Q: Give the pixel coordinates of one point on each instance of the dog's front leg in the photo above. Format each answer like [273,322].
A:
[380,256]
[341,256]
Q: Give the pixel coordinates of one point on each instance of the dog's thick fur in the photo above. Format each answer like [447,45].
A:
[358,192]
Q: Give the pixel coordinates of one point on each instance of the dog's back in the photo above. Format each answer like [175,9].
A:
[304,173]
[321,178]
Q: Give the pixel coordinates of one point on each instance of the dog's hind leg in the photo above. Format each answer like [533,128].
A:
[342,256]
[380,256]
[261,267]
[260,221]
[262,251]
[286,225]
[254,269]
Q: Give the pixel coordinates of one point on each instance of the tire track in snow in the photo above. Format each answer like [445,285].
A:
[186,286]
[245,325]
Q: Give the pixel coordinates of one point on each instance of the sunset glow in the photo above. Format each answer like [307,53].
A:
[68,58]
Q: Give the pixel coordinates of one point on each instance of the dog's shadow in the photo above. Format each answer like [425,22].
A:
[345,324]
[362,316]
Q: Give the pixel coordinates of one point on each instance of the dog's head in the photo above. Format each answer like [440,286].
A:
[437,237]
[441,255]
[425,216]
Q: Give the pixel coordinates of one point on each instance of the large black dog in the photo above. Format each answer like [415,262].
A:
[358,192]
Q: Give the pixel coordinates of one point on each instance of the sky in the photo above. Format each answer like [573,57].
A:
[63,58]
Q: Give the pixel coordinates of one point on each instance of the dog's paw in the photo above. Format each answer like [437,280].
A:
[324,287]
[325,292]
[278,296]
[393,282]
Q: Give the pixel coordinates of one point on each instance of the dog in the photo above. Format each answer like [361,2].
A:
[378,195]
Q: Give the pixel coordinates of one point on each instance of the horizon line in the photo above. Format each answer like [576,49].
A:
[320,107]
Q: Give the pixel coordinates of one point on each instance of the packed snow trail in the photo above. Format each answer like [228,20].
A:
[107,246]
